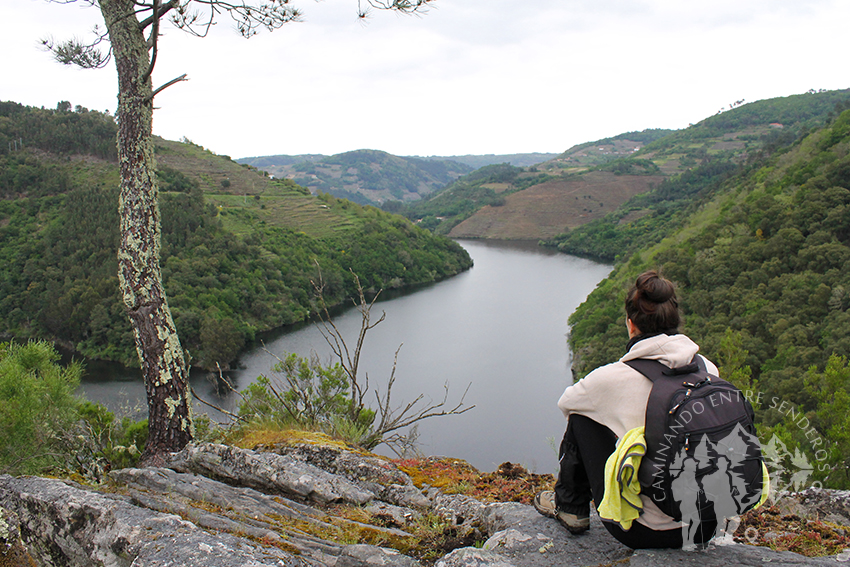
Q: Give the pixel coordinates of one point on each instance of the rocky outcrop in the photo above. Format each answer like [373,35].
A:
[268,472]
[215,505]
[827,505]
[62,524]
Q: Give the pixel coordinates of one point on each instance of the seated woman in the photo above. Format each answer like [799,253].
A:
[611,401]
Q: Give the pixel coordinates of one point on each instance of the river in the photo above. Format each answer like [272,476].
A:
[499,329]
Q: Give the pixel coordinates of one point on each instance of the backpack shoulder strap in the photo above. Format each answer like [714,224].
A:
[655,370]
[665,382]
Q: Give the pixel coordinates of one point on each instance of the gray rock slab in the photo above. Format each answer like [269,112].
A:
[268,472]
[61,524]
[239,510]
[472,557]
[359,555]
[516,541]
[556,545]
[241,500]
[217,503]
[724,556]
[459,509]
[354,466]
[822,504]
[405,495]
[372,473]
[528,539]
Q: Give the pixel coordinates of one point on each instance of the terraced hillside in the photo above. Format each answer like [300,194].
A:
[544,210]
[245,196]
[539,202]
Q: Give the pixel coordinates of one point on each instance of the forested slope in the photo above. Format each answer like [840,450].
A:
[240,252]
[761,258]
[697,160]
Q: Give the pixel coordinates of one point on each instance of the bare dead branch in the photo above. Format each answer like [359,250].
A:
[333,336]
[400,420]
[389,419]
[153,39]
[157,15]
[229,387]
[221,377]
[229,414]
[179,79]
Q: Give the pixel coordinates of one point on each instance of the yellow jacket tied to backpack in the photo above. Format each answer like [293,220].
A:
[622,502]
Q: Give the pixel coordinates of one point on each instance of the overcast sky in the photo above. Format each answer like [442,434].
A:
[468,77]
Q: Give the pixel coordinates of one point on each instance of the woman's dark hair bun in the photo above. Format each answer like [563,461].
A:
[655,288]
[651,304]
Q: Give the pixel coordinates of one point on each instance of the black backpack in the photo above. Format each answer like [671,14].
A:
[699,429]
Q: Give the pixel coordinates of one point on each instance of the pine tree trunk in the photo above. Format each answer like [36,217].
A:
[163,366]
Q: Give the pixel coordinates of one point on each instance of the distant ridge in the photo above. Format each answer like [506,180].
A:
[373,177]
[472,160]
[477,161]
[263,162]
[368,177]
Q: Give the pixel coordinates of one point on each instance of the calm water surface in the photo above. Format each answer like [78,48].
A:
[499,329]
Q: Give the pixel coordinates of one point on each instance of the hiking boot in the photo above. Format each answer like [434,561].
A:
[544,503]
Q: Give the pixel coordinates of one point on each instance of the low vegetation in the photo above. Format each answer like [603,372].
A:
[47,427]
[509,483]
[55,432]
[768,527]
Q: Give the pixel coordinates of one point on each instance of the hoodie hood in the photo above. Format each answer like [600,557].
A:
[671,350]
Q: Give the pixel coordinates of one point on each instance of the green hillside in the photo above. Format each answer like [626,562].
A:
[697,160]
[591,154]
[567,193]
[493,186]
[485,186]
[240,251]
[761,258]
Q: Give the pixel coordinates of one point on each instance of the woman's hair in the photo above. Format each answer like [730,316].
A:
[651,304]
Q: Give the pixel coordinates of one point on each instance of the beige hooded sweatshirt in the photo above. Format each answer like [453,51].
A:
[616,395]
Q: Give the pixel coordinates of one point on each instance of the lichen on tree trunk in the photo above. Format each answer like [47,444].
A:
[161,356]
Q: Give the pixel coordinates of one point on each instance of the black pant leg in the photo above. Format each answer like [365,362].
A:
[642,537]
[584,450]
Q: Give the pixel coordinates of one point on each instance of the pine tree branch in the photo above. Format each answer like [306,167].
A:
[166,85]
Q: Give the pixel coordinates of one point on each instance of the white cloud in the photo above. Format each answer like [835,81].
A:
[470,76]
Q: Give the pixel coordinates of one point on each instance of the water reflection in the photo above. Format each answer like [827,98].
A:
[500,328]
